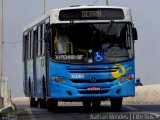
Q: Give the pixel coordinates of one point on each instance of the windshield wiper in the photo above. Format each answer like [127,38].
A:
[110,26]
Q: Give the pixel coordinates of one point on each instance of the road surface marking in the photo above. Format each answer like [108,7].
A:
[131,108]
[156,115]
[32,117]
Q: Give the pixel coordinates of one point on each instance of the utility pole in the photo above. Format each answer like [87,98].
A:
[107,3]
[44,7]
[1,53]
[1,39]
[4,93]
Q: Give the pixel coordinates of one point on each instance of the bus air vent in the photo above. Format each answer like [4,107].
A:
[91,70]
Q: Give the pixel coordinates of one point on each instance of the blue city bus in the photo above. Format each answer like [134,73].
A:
[80,53]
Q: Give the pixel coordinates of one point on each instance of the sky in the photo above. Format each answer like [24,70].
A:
[19,13]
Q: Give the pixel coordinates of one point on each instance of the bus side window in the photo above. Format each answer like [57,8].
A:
[23,52]
[28,44]
[25,47]
[31,44]
[35,43]
[52,42]
[39,39]
[47,35]
[42,47]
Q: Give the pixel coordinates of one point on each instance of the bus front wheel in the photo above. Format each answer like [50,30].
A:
[86,104]
[96,103]
[116,104]
[52,104]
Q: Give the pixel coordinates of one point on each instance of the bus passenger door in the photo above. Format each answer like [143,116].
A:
[35,41]
[47,39]
[25,53]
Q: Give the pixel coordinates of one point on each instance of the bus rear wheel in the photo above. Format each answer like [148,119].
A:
[33,103]
[116,104]
[43,103]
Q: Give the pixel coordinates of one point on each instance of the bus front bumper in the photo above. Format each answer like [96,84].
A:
[64,92]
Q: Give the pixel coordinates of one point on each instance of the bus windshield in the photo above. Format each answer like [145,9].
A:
[92,43]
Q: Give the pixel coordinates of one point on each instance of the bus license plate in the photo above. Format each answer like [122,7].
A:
[95,88]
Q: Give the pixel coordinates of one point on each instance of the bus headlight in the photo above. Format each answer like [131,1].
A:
[128,77]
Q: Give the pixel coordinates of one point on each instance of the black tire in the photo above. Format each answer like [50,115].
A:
[96,103]
[43,103]
[44,87]
[86,104]
[116,104]
[52,104]
[33,103]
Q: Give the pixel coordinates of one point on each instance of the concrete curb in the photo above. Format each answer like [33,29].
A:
[7,113]
[6,110]
[147,94]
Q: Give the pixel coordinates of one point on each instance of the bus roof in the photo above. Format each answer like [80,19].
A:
[54,13]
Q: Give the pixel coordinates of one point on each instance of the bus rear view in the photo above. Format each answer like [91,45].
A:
[90,56]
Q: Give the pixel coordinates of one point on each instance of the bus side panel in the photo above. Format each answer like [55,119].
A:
[25,81]
[30,80]
[41,76]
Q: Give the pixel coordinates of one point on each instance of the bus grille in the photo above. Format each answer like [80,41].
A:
[91,70]
[94,92]
[90,81]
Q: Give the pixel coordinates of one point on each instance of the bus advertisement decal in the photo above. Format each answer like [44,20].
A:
[120,71]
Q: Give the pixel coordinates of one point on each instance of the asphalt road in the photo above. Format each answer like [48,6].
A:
[77,112]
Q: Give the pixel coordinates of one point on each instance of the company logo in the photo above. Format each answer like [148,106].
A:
[93,80]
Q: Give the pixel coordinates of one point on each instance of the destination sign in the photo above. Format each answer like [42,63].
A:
[68,57]
[86,14]
[91,14]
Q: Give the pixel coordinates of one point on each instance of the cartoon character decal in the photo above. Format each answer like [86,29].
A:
[120,71]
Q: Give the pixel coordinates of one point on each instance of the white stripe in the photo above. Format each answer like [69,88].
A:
[156,115]
[32,117]
[131,108]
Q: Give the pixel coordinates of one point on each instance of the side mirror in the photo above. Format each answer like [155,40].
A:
[134,32]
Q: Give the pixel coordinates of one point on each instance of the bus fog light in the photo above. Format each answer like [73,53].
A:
[118,91]
[129,77]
